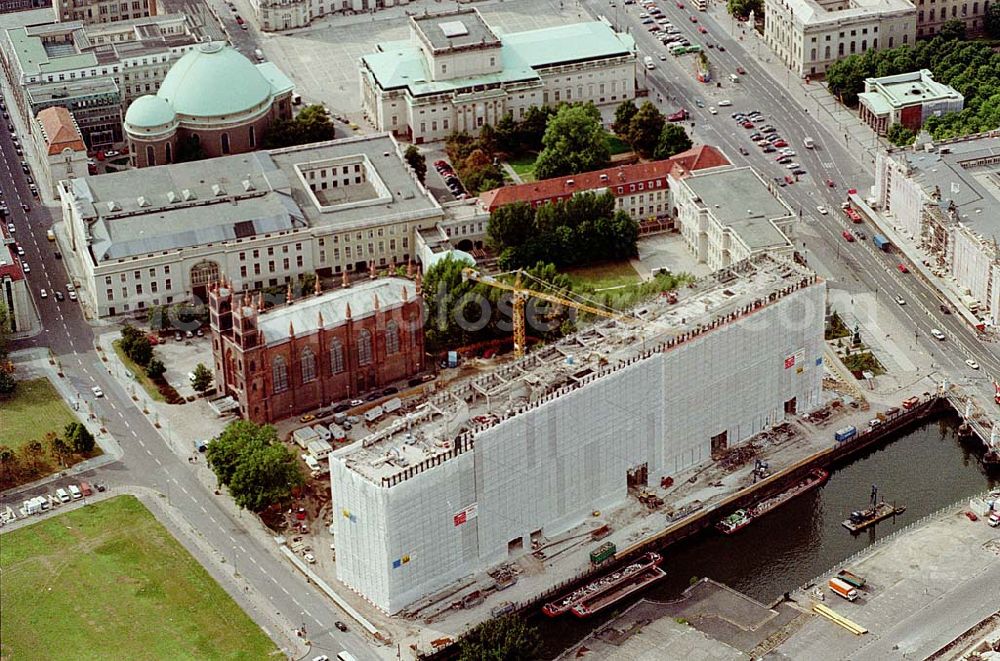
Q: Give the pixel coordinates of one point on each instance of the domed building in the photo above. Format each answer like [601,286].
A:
[213,102]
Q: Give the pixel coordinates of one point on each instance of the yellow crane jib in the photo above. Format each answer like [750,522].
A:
[521,293]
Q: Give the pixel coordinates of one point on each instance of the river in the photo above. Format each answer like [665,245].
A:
[925,470]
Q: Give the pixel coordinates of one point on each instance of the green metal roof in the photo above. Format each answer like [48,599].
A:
[214,80]
[34,61]
[149,111]
[878,103]
[401,64]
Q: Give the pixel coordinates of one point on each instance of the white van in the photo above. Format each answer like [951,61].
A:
[371,415]
[392,405]
[259,54]
[724,103]
[808,142]
[62,495]
[75,492]
[648,62]
[337,433]
[322,432]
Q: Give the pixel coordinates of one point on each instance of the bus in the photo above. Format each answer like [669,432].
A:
[346,656]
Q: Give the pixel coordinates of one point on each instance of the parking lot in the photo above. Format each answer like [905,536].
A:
[322,59]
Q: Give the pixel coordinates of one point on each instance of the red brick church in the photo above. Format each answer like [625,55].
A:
[317,350]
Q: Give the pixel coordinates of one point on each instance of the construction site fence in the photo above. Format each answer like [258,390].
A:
[871,548]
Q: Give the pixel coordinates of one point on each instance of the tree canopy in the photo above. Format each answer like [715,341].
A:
[742,8]
[971,67]
[644,130]
[249,460]
[900,136]
[673,140]
[312,124]
[79,438]
[202,378]
[991,21]
[417,161]
[574,141]
[506,638]
[136,345]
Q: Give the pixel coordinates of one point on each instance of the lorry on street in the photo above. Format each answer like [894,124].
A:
[843,588]
[994,520]
[881,242]
[605,551]
[845,433]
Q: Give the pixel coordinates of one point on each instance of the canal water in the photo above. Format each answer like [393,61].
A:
[925,470]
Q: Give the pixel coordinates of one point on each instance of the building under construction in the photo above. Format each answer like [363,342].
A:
[470,476]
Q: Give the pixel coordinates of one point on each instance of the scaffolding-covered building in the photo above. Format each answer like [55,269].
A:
[470,476]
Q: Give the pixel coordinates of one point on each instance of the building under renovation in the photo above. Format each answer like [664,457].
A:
[469,477]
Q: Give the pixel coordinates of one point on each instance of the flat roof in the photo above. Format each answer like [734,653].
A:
[427,436]
[401,64]
[357,301]
[165,207]
[964,176]
[906,89]
[739,198]
[456,30]
[813,13]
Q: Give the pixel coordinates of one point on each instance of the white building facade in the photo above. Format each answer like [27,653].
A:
[543,469]
[455,74]
[810,35]
[278,15]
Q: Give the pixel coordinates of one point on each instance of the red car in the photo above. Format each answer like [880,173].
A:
[847,236]
[789,179]
[747,125]
[741,71]
[902,268]
[680,5]
[678,116]
[829,182]
[972,516]
[694,19]
[701,29]
[779,144]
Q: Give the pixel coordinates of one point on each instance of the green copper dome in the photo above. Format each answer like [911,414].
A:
[213,80]
[149,112]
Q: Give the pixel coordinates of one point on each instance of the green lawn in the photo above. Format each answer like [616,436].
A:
[139,374]
[107,581]
[604,276]
[616,145]
[34,410]
[524,166]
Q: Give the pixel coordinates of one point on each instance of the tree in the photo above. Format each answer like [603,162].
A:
[4,330]
[8,384]
[136,345]
[417,161]
[673,140]
[266,474]
[574,142]
[644,130]
[202,378]
[900,136]
[59,448]
[10,466]
[532,126]
[155,368]
[443,287]
[312,124]
[624,113]
[742,8]
[79,438]
[511,225]
[507,638]
[991,22]
[33,456]
[953,29]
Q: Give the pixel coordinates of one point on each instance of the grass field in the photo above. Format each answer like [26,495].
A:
[604,276]
[524,166]
[35,410]
[140,374]
[616,145]
[107,581]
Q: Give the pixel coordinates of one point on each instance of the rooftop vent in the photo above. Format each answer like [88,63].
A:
[113,206]
[248,185]
[453,29]
[188,195]
[604,177]
[569,182]
[172,197]
[218,190]
[142,201]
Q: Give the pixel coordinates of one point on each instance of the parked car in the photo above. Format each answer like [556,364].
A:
[97,391]
[971,516]
[340,625]
[822,210]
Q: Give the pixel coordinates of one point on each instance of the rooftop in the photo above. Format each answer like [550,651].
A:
[885,94]
[10,267]
[813,13]
[452,31]
[966,173]
[738,198]
[331,308]
[445,424]
[60,130]
[547,189]
[69,91]
[401,64]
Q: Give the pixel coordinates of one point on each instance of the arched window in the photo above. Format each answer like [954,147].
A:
[150,155]
[336,357]
[392,338]
[308,365]
[279,374]
[252,136]
[364,347]
[170,153]
[225,143]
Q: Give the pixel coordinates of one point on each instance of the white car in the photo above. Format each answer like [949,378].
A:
[712,110]
[900,301]
[793,166]
[44,294]
[20,251]
[97,391]
[821,209]
[310,558]
[11,228]
[26,268]
[971,363]
[725,103]
[937,334]
[72,296]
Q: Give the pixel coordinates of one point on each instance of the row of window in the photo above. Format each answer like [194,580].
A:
[307,358]
[285,265]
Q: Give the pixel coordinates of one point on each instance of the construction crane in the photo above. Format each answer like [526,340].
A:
[520,295]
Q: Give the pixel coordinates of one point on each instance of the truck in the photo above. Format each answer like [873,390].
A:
[881,242]
[845,433]
[994,520]
[605,551]
[843,589]
[392,405]
[371,415]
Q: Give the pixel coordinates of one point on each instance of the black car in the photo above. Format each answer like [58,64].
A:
[372,397]
[945,309]
[391,390]
[340,408]
[340,625]
[57,255]
[59,296]
[798,172]
[414,382]
[768,149]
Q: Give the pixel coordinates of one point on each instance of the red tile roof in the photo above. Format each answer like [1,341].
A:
[60,130]
[694,159]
